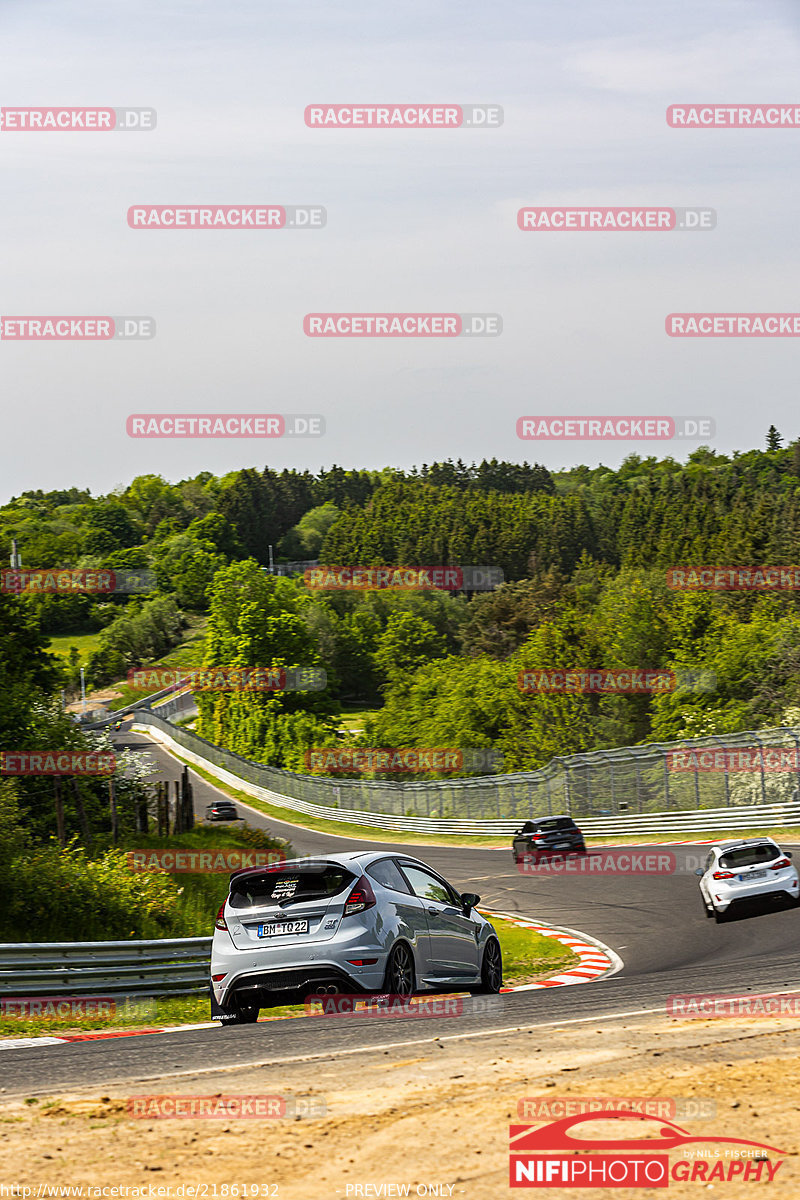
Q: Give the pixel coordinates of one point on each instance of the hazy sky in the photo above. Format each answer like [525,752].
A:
[417,221]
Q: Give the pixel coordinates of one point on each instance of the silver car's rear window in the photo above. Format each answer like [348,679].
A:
[748,856]
[387,873]
[285,885]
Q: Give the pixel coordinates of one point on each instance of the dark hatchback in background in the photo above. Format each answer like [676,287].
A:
[548,835]
[221,810]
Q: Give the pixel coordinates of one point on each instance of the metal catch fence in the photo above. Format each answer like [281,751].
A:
[743,771]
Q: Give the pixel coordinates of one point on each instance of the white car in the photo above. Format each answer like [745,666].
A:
[747,869]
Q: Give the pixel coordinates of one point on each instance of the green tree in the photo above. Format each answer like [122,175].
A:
[408,642]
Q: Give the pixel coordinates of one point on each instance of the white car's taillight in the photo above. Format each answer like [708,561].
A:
[220,921]
[780,864]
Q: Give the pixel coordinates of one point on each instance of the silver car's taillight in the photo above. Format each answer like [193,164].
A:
[361,897]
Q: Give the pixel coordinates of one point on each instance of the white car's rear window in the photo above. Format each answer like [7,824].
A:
[748,856]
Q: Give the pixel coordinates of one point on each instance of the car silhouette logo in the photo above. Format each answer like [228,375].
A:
[556,1136]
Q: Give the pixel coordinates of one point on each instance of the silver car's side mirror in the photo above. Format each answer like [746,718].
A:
[787,854]
[700,871]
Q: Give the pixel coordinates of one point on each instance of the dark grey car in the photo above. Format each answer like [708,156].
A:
[548,835]
[221,810]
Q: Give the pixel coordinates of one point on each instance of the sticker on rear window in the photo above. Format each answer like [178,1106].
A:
[285,888]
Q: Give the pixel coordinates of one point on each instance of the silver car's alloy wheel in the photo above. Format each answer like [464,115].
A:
[400,971]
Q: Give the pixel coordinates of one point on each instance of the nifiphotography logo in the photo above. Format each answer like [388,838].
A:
[653,1155]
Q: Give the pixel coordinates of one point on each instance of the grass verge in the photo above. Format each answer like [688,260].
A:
[85,643]
[186,655]
[527,956]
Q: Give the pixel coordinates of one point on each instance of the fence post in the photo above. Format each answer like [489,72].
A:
[81,809]
[761,764]
[112,808]
[667,797]
[726,775]
[61,830]
[796,759]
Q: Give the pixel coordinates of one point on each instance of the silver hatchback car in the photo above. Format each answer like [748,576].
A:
[356,922]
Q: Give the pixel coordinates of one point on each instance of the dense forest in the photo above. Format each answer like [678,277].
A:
[585,555]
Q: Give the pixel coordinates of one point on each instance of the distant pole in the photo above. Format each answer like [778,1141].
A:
[112,808]
[83,691]
[16,557]
[271,564]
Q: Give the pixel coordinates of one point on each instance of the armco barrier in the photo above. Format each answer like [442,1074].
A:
[515,792]
[171,966]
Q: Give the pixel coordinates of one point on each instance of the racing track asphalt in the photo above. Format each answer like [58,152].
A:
[654,923]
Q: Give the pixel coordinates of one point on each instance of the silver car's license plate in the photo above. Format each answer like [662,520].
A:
[561,845]
[753,875]
[277,928]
